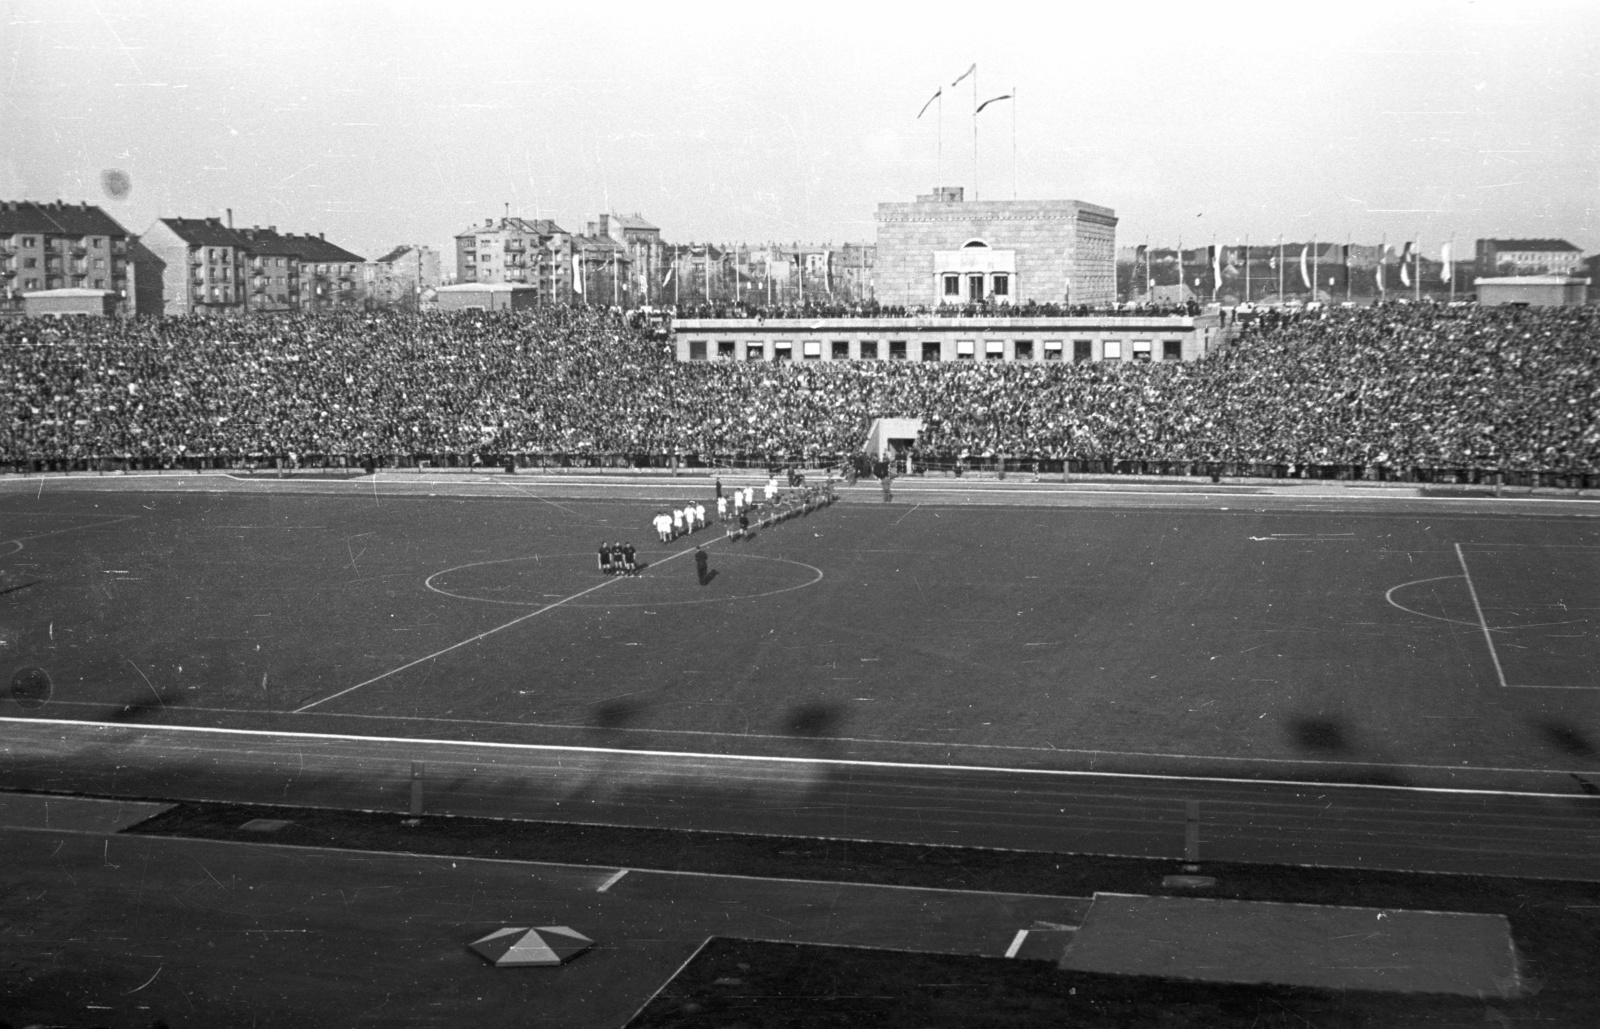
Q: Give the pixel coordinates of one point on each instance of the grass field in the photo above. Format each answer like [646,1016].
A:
[1030,636]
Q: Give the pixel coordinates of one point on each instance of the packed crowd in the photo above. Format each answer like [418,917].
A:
[872,309]
[1414,386]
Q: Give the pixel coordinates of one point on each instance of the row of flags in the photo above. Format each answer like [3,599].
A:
[977,108]
[1227,261]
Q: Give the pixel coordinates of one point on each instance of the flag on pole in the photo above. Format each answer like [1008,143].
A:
[1216,267]
[577,272]
[992,100]
[668,277]
[964,74]
[1444,256]
[1305,271]
[936,95]
[1405,273]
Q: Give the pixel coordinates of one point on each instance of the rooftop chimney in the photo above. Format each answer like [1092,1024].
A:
[230,217]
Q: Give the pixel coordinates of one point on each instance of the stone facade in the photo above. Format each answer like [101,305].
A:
[1064,251]
[1073,340]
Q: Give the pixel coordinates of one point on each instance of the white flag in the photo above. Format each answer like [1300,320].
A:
[1305,273]
[577,272]
[1444,255]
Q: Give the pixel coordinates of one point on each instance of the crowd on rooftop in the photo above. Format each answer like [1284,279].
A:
[830,308]
[1387,386]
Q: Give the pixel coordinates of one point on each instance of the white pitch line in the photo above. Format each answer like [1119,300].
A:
[942,744]
[839,762]
[1482,622]
[1016,943]
[490,632]
[615,878]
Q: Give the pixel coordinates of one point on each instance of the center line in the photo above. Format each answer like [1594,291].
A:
[490,632]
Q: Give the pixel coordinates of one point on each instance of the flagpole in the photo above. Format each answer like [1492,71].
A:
[1416,272]
[1247,267]
[1280,268]
[1451,264]
[974,132]
[1013,142]
[1348,237]
[1316,272]
[938,154]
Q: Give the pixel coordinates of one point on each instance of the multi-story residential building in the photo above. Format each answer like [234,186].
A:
[61,246]
[404,277]
[330,276]
[521,251]
[1501,257]
[206,265]
[646,255]
[607,276]
[274,270]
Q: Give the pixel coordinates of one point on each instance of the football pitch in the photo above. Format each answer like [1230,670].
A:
[1293,644]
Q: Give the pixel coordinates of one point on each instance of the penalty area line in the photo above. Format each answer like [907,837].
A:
[482,635]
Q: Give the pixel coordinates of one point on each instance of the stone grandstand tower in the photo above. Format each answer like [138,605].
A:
[943,249]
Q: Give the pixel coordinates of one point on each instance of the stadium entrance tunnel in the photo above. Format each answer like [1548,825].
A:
[538,580]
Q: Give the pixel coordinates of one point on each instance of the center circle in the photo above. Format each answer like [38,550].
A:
[537,580]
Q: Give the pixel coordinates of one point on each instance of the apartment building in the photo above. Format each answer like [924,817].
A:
[61,246]
[206,264]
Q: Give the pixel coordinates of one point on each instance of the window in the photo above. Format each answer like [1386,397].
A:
[1052,350]
[964,350]
[30,262]
[1171,350]
[30,241]
[841,350]
[1141,351]
[99,283]
[98,243]
[930,351]
[897,350]
[1112,351]
[1082,351]
[1002,285]
[725,349]
[697,350]
[952,285]
[1023,349]
[871,350]
[782,352]
[755,352]
[812,349]
[994,350]
[99,262]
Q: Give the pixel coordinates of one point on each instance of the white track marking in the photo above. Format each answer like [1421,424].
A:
[837,762]
[615,878]
[1016,943]
[1482,622]
[490,632]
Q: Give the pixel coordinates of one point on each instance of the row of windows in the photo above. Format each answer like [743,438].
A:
[1083,350]
[999,285]
[98,242]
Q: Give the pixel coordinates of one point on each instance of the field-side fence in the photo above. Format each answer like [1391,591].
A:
[920,465]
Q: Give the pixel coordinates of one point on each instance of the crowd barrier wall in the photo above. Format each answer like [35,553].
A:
[920,464]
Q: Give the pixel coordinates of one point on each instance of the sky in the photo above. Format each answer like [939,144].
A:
[387,123]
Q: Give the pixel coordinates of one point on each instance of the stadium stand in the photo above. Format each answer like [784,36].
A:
[1415,392]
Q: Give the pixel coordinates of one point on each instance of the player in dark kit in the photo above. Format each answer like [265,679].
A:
[605,559]
[628,564]
[700,561]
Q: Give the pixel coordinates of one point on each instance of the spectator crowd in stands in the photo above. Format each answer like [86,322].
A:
[1378,387]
